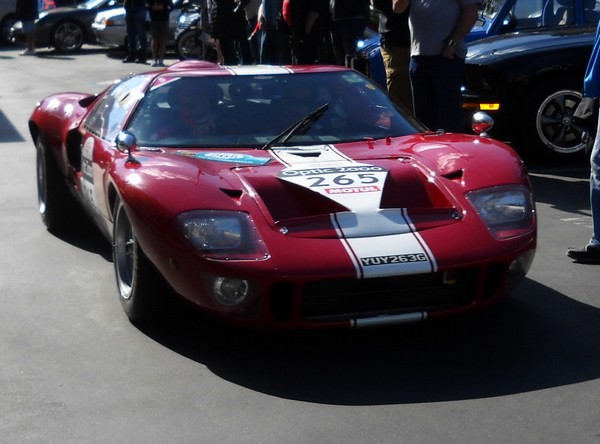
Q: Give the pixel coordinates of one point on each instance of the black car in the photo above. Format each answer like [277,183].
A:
[67,28]
[531,83]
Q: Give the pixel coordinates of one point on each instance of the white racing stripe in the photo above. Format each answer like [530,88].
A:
[380,242]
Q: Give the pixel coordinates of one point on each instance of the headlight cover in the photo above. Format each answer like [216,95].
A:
[222,235]
[507,210]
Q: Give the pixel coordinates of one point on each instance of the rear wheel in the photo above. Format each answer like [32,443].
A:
[140,287]
[548,129]
[56,205]
[68,36]
[189,46]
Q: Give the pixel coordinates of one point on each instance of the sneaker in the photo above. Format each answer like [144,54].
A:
[28,52]
[585,255]
[141,61]
[160,63]
[154,63]
[128,60]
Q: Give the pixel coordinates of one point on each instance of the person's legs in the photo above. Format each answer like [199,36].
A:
[424,99]
[447,78]
[396,61]
[595,192]
[591,252]
[140,31]
[131,37]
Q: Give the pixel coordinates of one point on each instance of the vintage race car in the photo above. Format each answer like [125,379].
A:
[284,197]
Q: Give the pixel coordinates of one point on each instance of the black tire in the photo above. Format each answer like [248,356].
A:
[56,205]
[68,36]
[140,288]
[547,128]
[189,47]
[7,22]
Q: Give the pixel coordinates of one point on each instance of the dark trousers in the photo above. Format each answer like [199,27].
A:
[437,100]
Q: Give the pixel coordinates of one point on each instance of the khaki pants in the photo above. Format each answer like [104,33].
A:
[396,61]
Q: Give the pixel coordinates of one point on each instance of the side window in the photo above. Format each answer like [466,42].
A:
[591,11]
[527,14]
[107,119]
[543,13]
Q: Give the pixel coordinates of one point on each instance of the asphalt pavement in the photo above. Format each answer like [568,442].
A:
[74,370]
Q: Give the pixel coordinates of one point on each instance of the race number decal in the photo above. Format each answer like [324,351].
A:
[379,242]
[354,185]
[87,171]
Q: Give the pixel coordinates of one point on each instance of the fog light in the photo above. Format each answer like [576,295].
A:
[230,291]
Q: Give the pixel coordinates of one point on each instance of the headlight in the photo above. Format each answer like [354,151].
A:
[223,235]
[507,210]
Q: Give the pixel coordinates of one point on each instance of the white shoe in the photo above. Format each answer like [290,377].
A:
[28,52]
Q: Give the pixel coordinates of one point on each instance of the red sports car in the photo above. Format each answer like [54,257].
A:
[284,197]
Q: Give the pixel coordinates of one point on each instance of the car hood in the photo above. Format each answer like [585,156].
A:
[300,189]
[507,45]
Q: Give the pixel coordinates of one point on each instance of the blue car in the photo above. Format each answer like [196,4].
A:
[497,17]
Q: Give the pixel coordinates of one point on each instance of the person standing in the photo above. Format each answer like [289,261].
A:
[251,8]
[27,11]
[159,11]
[275,38]
[304,19]
[225,29]
[590,253]
[349,19]
[395,51]
[438,50]
[135,25]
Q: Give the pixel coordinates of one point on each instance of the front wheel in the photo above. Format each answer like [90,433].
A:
[68,37]
[548,129]
[140,288]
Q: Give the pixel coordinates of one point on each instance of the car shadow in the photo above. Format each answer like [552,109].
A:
[534,340]
[83,234]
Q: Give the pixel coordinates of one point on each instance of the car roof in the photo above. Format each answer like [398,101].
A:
[201,67]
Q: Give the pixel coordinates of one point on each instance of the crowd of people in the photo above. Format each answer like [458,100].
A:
[287,31]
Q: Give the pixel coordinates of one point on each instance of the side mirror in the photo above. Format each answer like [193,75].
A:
[126,143]
[481,123]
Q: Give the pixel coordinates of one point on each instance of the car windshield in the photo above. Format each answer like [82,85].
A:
[252,110]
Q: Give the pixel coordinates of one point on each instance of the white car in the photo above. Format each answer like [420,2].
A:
[109,26]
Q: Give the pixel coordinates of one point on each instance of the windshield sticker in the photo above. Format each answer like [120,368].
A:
[237,158]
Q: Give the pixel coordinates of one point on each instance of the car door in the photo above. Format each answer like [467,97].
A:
[100,130]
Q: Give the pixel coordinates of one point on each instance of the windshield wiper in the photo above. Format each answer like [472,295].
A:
[298,128]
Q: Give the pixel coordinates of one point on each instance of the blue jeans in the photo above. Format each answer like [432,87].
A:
[437,100]
[595,190]
[135,24]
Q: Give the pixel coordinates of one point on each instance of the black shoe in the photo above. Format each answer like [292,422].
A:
[141,61]
[586,255]
[128,60]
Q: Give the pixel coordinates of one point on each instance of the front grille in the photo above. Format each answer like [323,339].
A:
[355,298]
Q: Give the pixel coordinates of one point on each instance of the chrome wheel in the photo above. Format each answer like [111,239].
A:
[124,253]
[555,125]
[139,285]
[68,37]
